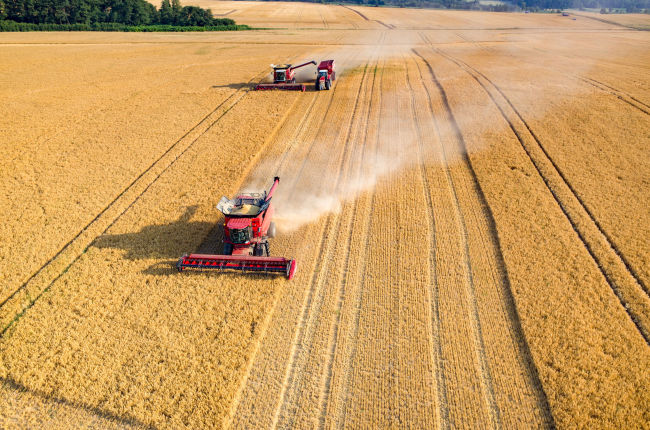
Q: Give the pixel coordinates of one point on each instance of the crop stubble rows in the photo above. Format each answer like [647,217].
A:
[417,302]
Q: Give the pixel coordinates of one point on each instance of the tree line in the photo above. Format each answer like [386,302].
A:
[97,13]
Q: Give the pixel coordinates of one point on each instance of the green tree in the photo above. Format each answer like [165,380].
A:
[3,10]
[166,14]
[176,11]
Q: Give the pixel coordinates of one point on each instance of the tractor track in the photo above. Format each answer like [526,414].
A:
[486,380]
[622,92]
[584,214]
[308,322]
[358,298]
[516,331]
[365,18]
[622,96]
[434,300]
[300,131]
[233,98]
[336,330]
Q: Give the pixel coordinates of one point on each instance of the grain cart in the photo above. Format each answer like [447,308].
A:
[325,75]
[284,78]
[247,226]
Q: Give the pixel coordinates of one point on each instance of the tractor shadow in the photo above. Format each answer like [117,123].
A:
[166,241]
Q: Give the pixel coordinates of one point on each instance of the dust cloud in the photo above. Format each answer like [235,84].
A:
[314,183]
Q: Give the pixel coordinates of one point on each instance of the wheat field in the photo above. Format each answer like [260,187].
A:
[469,208]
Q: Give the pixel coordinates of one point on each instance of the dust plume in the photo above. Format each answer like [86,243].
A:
[314,182]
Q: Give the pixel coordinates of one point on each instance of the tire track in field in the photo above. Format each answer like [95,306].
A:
[624,97]
[365,18]
[303,338]
[486,380]
[202,127]
[336,330]
[433,295]
[547,155]
[519,339]
[622,92]
[616,272]
[300,130]
[300,348]
[344,369]
[279,166]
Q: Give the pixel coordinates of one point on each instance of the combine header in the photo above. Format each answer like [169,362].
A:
[284,78]
[247,227]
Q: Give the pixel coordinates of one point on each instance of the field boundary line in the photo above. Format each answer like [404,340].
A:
[601,238]
[365,18]
[306,322]
[514,318]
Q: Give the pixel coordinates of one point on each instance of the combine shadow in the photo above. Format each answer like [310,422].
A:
[166,241]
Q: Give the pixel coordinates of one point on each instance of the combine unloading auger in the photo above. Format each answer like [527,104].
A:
[284,78]
[247,226]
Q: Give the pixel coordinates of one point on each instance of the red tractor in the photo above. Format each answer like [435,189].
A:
[325,75]
[247,226]
[284,78]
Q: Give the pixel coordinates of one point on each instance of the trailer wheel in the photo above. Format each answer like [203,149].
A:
[271,232]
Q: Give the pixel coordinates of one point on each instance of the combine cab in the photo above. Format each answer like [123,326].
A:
[325,75]
[284,78]
[247,226]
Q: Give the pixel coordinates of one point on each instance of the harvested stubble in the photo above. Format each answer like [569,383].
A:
[442,280]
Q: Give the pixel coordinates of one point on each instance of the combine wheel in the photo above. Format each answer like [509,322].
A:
[258,251]
[328,84]
[227,249]
[271,231]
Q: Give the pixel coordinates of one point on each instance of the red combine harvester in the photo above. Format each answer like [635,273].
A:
[325,75]
[284,78]
[247,227]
